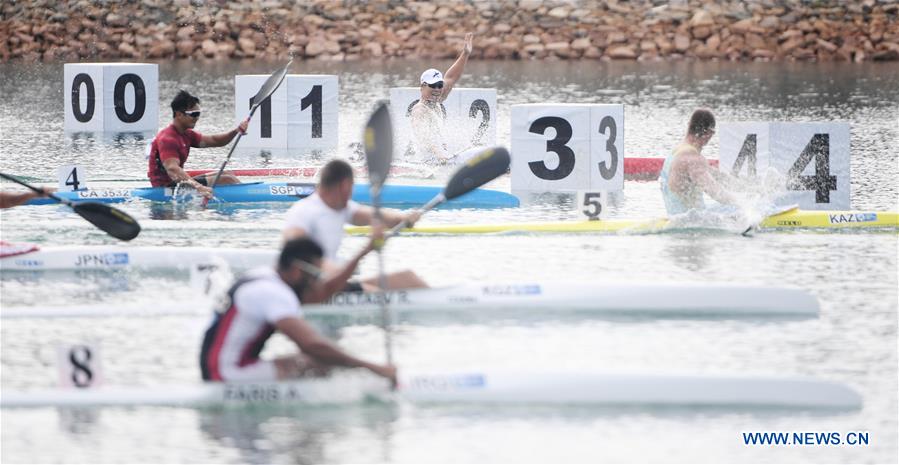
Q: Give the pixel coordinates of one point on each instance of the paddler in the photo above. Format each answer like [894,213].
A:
[171,147]
[686,173]
[265,301]
[322,216]
[428,115]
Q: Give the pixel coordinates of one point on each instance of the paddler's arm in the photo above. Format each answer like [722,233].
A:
[453,74]
[218,140]
[332,284]
[14,199]
[698,168]
[314,345]
[365,215]
[174,170]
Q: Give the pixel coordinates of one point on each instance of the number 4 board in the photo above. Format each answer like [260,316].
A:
[813,159]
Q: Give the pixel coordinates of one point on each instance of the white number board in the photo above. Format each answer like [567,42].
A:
[111,97]
[469,118]
[591,204]
[79,365]
[71,178]
[812,157]
[567,147]
[301,113]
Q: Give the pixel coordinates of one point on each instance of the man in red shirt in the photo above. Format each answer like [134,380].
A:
[171,147]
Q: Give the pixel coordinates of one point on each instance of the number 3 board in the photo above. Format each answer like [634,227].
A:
[567,147]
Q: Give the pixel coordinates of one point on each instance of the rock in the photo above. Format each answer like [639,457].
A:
[885,55]
[616,38]
[533,48]
[769,22]
[647,46]
[226,49]
[162,49]
[209,48]
[185,47]
[762,54]
[713,42]
[127,49]
[701,18]
[559,12]
[702,33]
[185,33]
[315,47]
[531,39]
[823,44]
[332,47]
[581,44]
[530,5]
[502,28]
[791,44]
[592,53]
[754,41]
[442,13]
[743,25]
[681,42]
[246,46]
[115,20]
[621,53]
[558,47]
[373,49]
[664,45]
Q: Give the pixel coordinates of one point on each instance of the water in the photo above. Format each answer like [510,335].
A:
[853,274]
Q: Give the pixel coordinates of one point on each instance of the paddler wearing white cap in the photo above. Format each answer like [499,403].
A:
[428,115]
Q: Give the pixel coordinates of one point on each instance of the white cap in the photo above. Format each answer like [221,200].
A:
[431,76]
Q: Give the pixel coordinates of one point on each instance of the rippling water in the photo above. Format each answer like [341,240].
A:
[853,274]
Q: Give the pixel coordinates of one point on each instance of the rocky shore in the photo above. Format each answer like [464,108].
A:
[761,30]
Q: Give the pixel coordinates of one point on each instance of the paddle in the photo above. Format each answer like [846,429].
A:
[115,222]
[477,171]
[268,88]
[378,142]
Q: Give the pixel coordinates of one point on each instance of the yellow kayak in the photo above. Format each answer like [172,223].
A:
[788,220]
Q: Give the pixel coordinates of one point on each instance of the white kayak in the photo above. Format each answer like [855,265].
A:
[487,387]
[109,257]
[506,301]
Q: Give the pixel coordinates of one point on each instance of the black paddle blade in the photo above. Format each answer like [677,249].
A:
[270,85]
[115,222]
[378,141]
[477,171]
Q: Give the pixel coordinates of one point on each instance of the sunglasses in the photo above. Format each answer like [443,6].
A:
[436,85]
[192,114]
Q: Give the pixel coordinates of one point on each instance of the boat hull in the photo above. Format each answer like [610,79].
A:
[507,301]
[787,220]
[393,196]
[473,387]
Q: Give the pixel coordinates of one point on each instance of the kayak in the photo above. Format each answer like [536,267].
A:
[635,169]
[504,301]
[472,387]
[392,195]
[107,257]
[794,219]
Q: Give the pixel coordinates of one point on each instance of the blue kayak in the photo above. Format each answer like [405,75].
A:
[393,196]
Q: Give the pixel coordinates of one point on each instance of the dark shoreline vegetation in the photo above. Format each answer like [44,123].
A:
[339,30]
